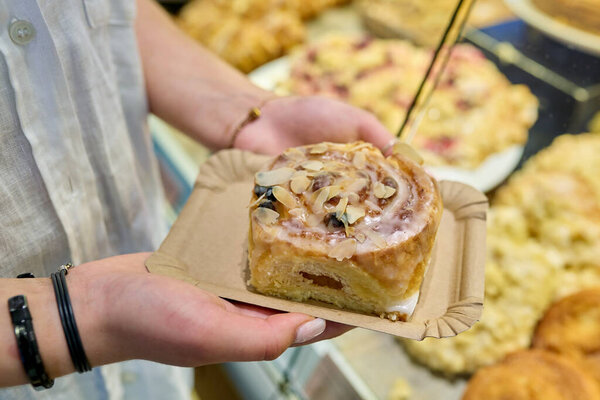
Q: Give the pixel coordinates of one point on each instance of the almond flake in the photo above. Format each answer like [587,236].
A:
[360,237]
[349,230]
[265,215]
[296,212]
[341,207]
[299,184]
[334,191]
[360,146]
[294,154]
[359,160]
[321,196]
[300,173]
[389,192]
[319,148]
[403,149]
[373,206]
[376,238]
[353,198]
[354,213]
[284,197]
[357,185]
[343,250]
[312,165]
[274,177]
[262,196]
[379,190]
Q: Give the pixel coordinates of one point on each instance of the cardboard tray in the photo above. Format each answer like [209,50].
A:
[207,248]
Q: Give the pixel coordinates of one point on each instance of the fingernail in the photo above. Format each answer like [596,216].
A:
[309,330]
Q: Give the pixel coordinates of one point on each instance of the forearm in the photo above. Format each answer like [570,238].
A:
[188,86]
[88,300]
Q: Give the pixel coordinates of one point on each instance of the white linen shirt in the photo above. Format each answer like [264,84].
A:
[78,178]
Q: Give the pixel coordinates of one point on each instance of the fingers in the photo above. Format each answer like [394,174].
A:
[371,130]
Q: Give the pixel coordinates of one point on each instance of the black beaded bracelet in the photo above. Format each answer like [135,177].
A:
[67,318]
[27,343]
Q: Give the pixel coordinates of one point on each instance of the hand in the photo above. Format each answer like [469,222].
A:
[148,316]
[293,121]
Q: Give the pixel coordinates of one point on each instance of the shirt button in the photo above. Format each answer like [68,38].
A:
[21,32]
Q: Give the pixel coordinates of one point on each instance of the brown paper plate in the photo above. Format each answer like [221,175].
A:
[207,247]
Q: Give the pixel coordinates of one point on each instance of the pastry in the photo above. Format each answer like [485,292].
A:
[424,22]
[533,375]
[543,242]
[245,33]
[474,112]
[342,224]
[572,327]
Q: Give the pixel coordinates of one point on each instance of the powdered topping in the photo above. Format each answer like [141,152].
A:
[347,196]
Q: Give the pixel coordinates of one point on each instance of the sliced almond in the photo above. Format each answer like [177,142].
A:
[341,207]
[359,160]
[363,145]
[343,250]
[334,191]
[353,198]
[265,215]
[373,206]
[294,154]
[349,230]
[296,212]
[403,149]
[379,190]
[361,237]
[376,238]
[357,185]
[300,173]
[319,148]
[284,197]
[321,196]
[354,213]
[312,165]
[262,196]
[274,177]
[299,184]
[389,192]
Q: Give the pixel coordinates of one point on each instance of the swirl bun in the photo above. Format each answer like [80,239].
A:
[341,223]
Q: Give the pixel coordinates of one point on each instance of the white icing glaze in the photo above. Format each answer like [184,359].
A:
[384,219]
[406,306]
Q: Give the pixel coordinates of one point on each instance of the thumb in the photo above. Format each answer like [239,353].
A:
[266,338]
[371,130]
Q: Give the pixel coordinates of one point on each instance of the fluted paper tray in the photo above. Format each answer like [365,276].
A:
[207,247]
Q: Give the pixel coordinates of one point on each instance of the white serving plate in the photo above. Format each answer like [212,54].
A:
[561,31]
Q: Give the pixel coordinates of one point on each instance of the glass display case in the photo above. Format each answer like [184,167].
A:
[544,223]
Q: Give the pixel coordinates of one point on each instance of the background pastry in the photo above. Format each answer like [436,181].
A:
[572,327]
[532,375]
[474,112]
[342,224]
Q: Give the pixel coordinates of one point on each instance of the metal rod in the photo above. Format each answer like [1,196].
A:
[432,76]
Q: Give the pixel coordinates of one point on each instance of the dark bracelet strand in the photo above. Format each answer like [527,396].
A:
[27,343]
[67,319]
